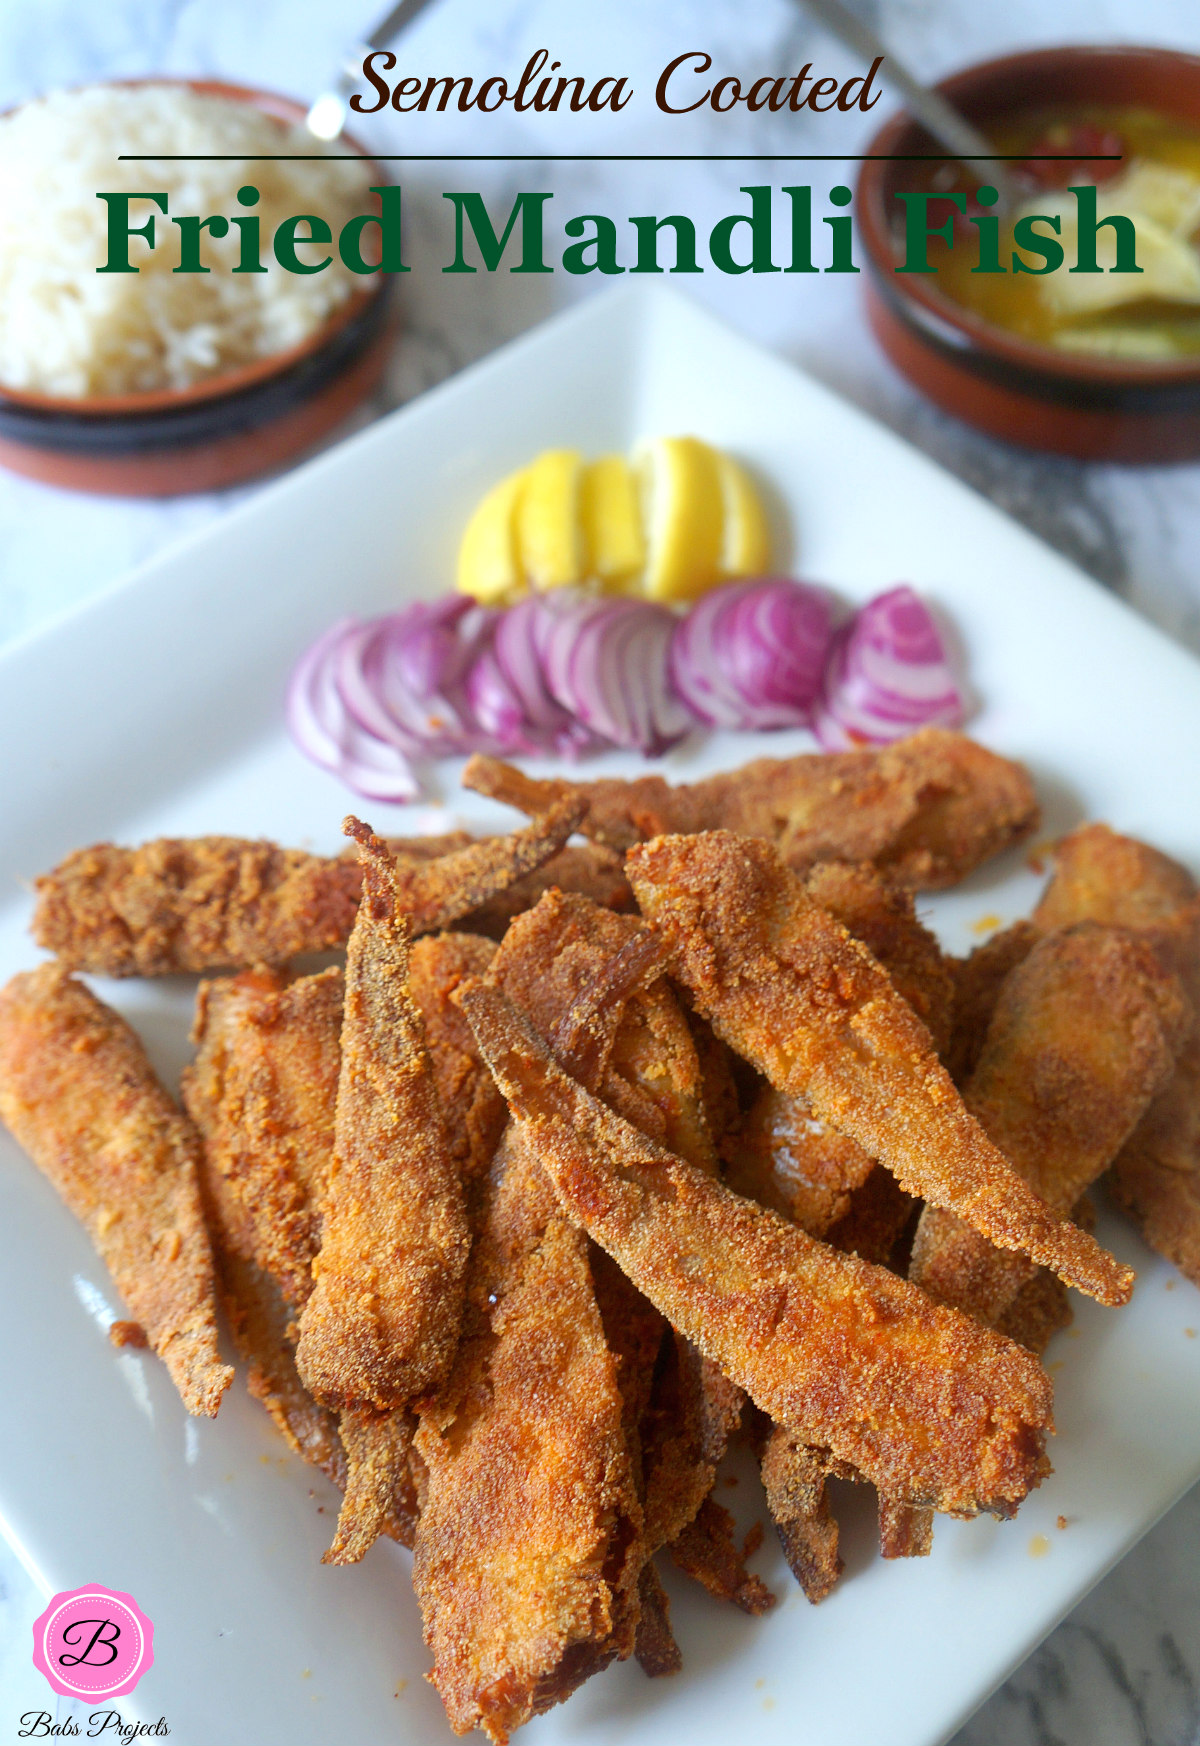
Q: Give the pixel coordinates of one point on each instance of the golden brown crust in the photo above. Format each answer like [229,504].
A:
[1039,1311]
[927,809]
[77,1092]
[692,1413]
[365,1459]
[212,903]
[472,1108]
[529,1496]
[782,1155]
[525,1550]
[657,1651]
[383,1320]
[581,870]
[920,1399]
[884,917]
[978,979]
[706,1551]
[1156,1178]
[1103,877]
[261,1089]
[794,1477]
[786,1159]
[787,986]
[904,1532]
[380,1497]
[1085,1032]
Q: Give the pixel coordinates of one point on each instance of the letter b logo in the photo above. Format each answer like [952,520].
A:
[105,1638]
[93,1643]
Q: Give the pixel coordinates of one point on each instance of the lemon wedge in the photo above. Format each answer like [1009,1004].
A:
[612,521]
[549,533]
[746,543]
[683,515]
[488,565]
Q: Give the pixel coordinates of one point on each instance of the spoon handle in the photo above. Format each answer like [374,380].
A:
[929,107]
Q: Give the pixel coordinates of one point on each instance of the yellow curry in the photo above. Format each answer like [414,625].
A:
[1154,316]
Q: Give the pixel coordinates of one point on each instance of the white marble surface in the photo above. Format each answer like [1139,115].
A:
[1124,1669]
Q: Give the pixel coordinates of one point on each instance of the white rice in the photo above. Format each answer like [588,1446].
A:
[67,330]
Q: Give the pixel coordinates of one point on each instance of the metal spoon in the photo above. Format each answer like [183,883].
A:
[930,108]
[327,117]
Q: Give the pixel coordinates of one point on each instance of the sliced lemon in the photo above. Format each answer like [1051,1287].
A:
[746,542]
[612,521]
[683,514]
[549,536]
[488,565]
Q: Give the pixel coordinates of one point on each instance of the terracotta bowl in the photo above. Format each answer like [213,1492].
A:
[220,431]
[1094,408]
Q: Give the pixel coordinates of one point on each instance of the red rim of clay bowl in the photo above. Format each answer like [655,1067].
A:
[70,434]
[1160,79]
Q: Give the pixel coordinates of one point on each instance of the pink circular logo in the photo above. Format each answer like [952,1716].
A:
[93,1643]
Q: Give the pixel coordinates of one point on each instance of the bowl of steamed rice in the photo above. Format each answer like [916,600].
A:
[157,381]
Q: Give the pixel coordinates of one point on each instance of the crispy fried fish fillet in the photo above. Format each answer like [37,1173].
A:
[530,1515]
[1156,1177]
[823,1181]
[259,1316]
[707,1551]
[978,979]
[922,1400]
[793,1476]
[787,986]
[657,1651]
[1038,1312]
[1085,1033]
[904,1532]
[77,1091]
[1103,877]
[787,1159]
[925,810]
[383,1320]
[207,903]
[654,1078]
[520,1592]
[472,1108]
[582,869]
[261,1092]
[884,917]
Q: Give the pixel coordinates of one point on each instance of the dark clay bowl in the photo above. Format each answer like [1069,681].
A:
[1013,388]
[218,432]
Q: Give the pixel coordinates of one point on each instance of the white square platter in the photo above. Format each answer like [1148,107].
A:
[157,710]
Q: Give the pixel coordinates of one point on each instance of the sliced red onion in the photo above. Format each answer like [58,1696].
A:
[606,661]
[517,683]
[751,654]
[888,674]
[497,707]
[323,727]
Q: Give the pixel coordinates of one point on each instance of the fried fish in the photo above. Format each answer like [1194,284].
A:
[77,1092]
[925,810]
